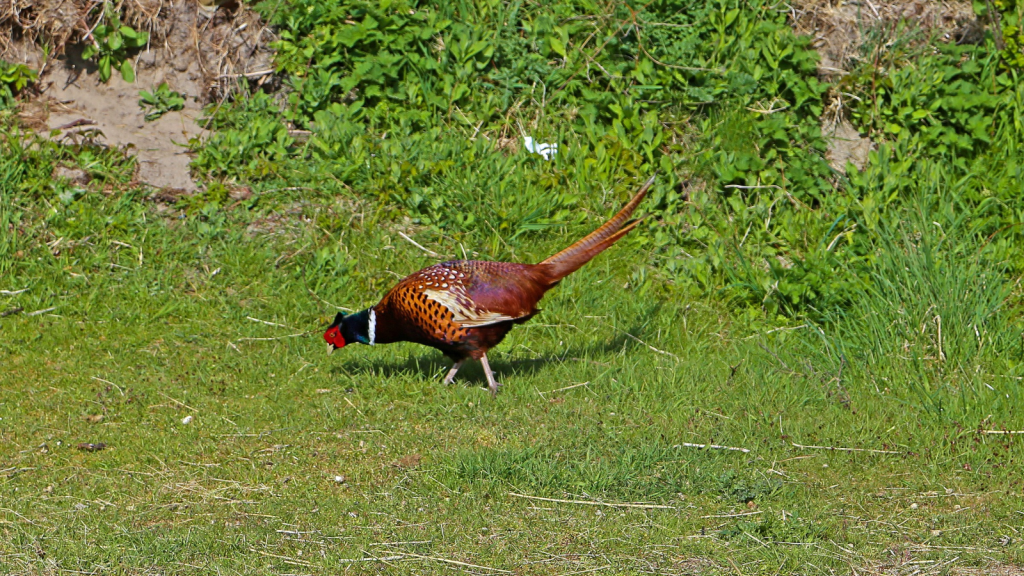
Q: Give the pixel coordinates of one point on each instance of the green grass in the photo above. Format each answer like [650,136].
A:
[875,314]
[160,316]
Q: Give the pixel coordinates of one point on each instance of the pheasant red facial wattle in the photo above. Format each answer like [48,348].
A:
[466,307]
[334,338]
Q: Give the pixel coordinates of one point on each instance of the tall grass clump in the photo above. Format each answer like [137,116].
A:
[933,323]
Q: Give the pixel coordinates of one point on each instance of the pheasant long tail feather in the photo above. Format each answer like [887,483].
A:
[572,258]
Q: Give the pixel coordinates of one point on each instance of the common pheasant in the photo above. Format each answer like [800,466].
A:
[466,307]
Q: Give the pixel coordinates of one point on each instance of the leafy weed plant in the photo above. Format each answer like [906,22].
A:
[160,101]
[13,79]
[111,44]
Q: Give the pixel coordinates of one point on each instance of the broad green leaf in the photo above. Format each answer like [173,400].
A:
[104,68]
[556,45]
[127,72]
[731,15]
[475,48]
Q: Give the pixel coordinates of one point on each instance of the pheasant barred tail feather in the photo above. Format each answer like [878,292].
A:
[572,258]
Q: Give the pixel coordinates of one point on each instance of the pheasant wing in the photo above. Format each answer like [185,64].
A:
[484,293]
[465,311]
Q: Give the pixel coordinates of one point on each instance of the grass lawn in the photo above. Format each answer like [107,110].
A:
[791,367]
[234,444]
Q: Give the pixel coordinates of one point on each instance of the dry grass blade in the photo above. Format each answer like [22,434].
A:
[418,245]
[178,402]
[372,559]
[839,449]
[713,447]
[564,388]
[737,515]
[265,322]
[286,559]
[275,337]
[597,503]
[449,561]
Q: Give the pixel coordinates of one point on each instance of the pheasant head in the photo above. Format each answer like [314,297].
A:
[346,329]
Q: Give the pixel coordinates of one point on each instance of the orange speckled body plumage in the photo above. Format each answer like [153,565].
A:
[485,300]
[466,307]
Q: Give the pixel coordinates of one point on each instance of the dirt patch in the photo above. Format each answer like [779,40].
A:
[72,96]
[698,566]
[839,26]
[846,145]
[842,30]
[223,39]
[408,461]
[202,49]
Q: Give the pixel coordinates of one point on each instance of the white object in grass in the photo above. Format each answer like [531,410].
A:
[545,149]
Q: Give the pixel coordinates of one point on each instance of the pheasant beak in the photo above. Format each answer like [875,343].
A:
[331,348]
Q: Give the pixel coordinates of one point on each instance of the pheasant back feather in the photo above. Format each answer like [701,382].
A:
[447,302]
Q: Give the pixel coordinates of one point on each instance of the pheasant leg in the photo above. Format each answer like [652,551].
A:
[451,373]
[492,384]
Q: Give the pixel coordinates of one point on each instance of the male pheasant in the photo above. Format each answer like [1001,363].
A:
[466,307]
